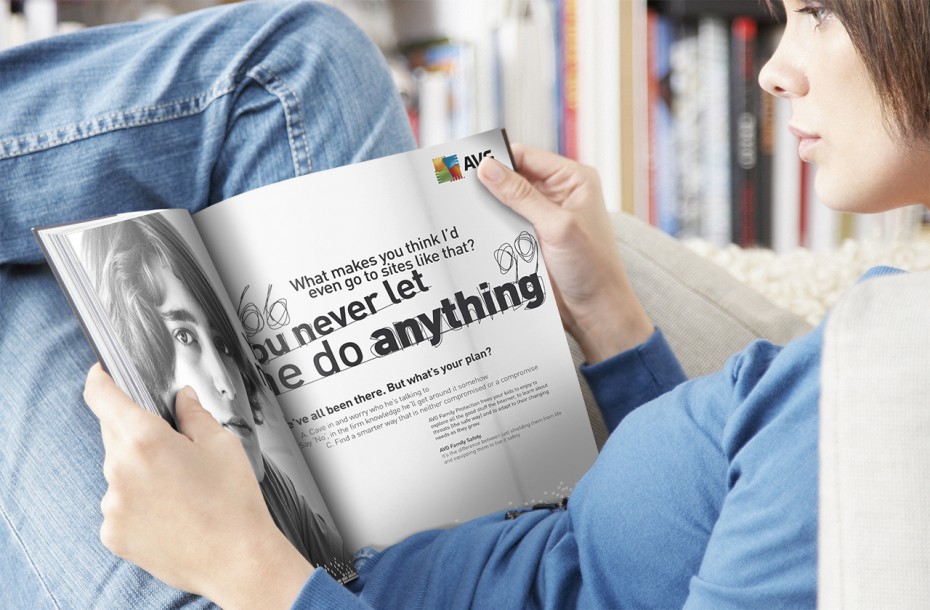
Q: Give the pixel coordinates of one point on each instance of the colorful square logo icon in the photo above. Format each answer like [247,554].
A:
[447,169]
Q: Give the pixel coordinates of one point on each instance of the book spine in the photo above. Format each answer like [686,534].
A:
[713,68]
[526,41]
[652,103]
[568,78]
[686,92]
[6,17]
[41,19]
[599,96]
[744,121]
[662,145]
[786,183]
[804,204]
[765,174]
[433,95]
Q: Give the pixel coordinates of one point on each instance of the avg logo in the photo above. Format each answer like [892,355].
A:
[447,169]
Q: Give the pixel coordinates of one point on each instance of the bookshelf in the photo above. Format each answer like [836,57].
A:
[771,198]
[715,163]
[643,90]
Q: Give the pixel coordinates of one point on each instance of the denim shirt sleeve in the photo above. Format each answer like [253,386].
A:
[634,377]
[321,591]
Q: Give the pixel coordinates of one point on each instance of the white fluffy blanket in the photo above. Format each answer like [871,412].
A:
[809,283]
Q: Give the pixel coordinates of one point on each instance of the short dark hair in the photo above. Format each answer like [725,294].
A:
[893,40]
[122,256]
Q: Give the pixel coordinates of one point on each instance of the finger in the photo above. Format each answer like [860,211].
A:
[194,421]
[113,407]
[539,164]
[514,191]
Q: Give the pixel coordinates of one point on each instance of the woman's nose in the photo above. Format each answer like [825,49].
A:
[782,74]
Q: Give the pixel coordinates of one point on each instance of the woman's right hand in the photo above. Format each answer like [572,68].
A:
[563,201]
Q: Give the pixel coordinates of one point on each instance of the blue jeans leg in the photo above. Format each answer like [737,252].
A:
[177,113]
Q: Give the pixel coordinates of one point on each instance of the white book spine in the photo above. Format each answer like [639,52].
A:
[786,186]
[713,68]
[41,18]
[599,94]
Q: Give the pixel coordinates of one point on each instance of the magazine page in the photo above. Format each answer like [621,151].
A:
[405,320]
[153,306]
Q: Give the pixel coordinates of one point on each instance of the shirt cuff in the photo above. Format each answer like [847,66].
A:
[321,591]
[634,377]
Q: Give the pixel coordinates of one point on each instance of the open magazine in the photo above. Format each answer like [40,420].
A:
[382,338]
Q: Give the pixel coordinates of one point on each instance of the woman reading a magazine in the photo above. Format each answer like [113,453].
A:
[162,306]
[706,492]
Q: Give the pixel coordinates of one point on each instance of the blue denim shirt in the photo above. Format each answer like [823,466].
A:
[705,495]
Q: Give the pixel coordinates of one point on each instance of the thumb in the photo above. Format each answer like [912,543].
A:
[193,420]
[513,190]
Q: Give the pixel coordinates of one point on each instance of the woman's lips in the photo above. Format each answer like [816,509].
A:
[806,141]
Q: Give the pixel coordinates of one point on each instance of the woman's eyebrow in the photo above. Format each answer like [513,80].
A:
[178,315]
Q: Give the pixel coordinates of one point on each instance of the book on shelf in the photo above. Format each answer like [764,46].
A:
[503,71]
[445,79]
[686,126]
[765,155]
[567,77]
[744,132]
[772,199]
[382,338]
[663,182]
[551,70]
[786,183]
[713,63]
[526,45]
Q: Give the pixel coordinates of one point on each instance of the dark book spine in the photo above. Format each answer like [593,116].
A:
[744,131]
[766,156]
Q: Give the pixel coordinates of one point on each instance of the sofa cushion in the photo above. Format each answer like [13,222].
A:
[704,312]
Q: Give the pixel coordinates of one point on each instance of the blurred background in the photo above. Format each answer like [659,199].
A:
[660,95]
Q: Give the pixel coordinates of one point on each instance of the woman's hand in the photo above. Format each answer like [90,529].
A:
[563,201]
[186,507]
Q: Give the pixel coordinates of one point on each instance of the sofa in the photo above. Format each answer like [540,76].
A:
[874,524]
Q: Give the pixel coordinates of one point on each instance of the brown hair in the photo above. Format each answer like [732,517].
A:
[893,40]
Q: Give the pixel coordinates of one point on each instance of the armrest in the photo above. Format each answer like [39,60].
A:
[705,313]
[874,537]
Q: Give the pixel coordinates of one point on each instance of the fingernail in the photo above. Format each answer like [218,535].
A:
[491,170]
[190,393]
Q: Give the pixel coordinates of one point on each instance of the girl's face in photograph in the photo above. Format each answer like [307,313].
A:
[203,360]
[838,119]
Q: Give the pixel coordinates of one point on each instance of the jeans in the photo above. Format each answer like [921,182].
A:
[182,112]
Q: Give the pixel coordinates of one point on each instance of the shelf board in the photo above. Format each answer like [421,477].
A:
[694,9]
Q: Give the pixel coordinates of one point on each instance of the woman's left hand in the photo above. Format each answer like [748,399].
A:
[186,507]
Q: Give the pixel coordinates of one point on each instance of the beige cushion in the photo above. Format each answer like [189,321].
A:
[705,313]
[874,548]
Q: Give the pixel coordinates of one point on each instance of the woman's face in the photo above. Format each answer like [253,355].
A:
[837,117]
[202,360]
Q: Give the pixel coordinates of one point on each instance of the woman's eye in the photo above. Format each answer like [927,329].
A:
[184,336]
[818,13]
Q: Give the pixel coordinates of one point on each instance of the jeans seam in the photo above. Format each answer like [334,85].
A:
[113,121]
[32,563]
[293,117]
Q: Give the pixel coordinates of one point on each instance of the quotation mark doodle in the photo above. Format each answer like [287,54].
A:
[274,314]
[524,248]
